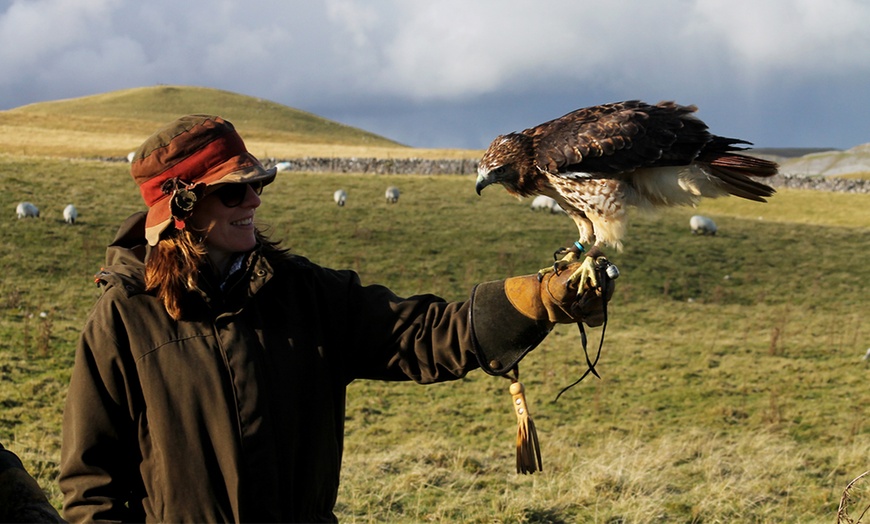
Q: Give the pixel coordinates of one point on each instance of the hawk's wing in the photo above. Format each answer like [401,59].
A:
[620,137]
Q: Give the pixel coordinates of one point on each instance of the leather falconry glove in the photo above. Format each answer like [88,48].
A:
[510,318]
[551,297]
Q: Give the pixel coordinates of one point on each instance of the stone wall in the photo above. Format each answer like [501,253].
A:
[422,166]
[406,166]
[394,166]
[843,185]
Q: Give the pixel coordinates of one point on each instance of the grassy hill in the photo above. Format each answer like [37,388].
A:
[113,124]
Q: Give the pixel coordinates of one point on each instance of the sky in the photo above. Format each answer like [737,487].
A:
[457,73]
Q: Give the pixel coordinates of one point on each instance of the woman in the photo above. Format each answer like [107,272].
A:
[209,382]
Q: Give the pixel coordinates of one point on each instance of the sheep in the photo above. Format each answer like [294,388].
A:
[340,197]
[702,225]
[545,203]
[130,156]
[26,209]
[392,195]
[70,214]
[283,166]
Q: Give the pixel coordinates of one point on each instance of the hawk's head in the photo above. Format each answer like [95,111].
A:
[509,161]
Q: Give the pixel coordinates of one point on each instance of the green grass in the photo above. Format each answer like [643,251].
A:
[732,389]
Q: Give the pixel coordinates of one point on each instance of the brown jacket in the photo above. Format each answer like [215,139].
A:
[236,414]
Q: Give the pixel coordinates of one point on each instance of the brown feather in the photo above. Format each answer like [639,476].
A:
[738,184]
[734,171]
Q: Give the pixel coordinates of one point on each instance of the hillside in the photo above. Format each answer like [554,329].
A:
[784,153]
[115,123]
[854,162]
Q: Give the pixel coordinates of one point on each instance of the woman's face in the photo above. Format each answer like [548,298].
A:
[226,218]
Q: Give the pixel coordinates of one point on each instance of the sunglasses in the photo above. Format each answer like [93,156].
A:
[232,195]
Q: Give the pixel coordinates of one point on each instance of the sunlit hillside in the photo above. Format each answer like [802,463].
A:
[854,162]
[115,123]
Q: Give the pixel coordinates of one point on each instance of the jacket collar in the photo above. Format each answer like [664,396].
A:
[125,257]
[239,286]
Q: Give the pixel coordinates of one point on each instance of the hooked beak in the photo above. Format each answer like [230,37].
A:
[482,182]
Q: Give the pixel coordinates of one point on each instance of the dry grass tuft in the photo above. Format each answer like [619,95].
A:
[852,492]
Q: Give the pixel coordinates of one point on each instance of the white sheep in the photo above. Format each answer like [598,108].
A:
[340,197]
[130,156]
[70,214]
[702,225]
[545,203]
[26,209]
[392,194]
[283,166]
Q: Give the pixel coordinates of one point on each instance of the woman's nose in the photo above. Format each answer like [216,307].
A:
[252,199]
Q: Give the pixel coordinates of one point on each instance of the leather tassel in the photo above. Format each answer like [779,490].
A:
[528,448]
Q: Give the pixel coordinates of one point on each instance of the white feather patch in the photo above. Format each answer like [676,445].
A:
[674,186]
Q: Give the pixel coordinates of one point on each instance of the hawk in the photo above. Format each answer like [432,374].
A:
[599,161]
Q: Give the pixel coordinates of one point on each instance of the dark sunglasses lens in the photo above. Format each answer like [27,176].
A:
[232,195]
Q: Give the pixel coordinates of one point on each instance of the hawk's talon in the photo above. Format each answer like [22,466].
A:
[544,271]
[561,264]
[584,275]
[586,272]
[559,252]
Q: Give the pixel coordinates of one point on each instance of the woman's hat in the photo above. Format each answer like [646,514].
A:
[184,161]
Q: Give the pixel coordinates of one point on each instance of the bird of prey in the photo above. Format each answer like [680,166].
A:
[598,161]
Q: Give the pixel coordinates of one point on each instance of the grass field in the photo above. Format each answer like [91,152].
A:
[733,387]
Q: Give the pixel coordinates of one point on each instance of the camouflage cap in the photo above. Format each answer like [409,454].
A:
[178,164]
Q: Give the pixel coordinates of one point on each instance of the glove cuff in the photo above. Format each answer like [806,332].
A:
[501,334]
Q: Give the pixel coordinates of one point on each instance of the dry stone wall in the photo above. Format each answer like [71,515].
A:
[421,166]
[395,166]
[843,185]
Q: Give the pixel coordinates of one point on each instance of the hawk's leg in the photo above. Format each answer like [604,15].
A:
[582,273]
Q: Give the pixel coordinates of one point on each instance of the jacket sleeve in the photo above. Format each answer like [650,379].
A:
[424,337]
[99,468]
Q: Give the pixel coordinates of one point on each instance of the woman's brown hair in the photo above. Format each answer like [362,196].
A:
[173,267]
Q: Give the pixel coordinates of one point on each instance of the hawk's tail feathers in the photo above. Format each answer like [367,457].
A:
[734,171]
[738,184]
[749,164]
